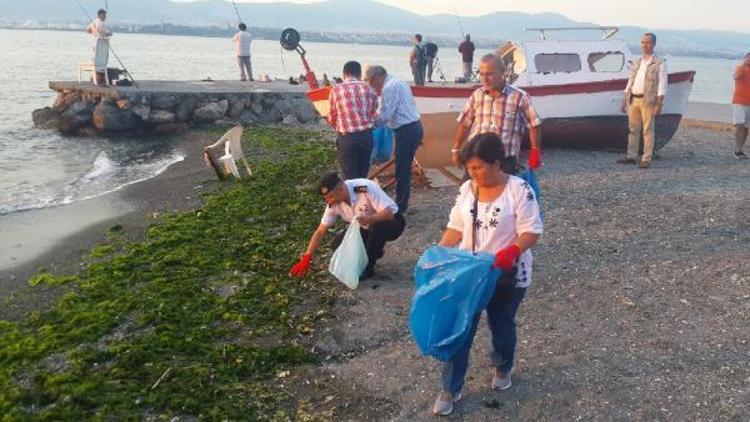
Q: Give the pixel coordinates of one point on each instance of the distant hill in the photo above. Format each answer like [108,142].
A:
[360,16]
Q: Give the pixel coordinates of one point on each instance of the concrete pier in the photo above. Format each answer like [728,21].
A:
[163,107]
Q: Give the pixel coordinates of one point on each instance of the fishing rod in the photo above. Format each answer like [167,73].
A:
[125,69]
[458,20]
[237,11]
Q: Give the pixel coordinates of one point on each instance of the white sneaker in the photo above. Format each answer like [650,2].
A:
[444,404]
[501,381]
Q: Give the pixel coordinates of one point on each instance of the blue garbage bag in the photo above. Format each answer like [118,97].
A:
[530,177]
[382,144]
[453,286]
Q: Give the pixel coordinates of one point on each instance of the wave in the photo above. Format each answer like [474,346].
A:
[104,177]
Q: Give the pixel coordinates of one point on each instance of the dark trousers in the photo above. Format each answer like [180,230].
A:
[408,138]
[377,234]
[419,72]
[501,317]
[353,151]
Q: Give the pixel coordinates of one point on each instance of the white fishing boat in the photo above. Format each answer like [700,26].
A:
[576,87]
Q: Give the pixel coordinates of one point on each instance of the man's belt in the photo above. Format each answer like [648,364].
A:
[343,134]
[636,95]
[407,125]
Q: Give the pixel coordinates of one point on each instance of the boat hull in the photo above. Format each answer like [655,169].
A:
[604,133]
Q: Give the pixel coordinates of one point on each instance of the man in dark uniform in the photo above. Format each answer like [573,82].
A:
[362,199]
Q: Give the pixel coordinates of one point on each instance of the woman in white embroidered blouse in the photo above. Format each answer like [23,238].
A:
[499,214]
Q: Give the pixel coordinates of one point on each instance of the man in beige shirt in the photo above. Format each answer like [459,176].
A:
[643,101]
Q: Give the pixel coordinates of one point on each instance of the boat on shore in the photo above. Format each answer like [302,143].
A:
[576,87]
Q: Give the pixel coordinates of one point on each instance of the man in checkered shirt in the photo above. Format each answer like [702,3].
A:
[354,105]
[502,109]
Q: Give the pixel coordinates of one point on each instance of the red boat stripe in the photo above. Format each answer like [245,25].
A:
[544,90]
[319,94]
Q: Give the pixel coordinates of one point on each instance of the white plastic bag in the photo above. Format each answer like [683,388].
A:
[350,259]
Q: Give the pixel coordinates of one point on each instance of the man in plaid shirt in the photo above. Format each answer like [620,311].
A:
[502,109]
[354,105]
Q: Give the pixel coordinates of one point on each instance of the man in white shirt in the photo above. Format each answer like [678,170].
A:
[362,199]
[242,39]
[101,32]
[643,101]
[399,112]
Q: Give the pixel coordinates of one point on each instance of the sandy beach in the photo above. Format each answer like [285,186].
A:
[639,308]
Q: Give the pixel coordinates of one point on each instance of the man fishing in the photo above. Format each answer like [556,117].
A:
[101,31]
[466,48]
[242,40]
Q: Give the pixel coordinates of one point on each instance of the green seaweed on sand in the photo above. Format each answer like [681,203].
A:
[178,324]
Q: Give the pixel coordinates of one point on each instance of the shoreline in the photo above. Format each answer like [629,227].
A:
[86,223]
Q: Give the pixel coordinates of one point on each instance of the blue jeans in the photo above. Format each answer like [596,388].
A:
[353,151]
[408,138]
[502,323]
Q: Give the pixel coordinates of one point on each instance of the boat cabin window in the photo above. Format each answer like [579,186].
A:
[610,61]
[557,63]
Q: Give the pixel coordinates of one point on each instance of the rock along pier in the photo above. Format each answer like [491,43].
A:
[165,107]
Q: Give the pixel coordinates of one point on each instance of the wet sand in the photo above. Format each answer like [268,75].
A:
[56,239]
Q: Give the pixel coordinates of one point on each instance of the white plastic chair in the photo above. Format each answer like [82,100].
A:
[232,142]
[89,67]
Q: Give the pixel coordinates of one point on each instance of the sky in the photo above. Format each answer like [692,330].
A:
[726,15]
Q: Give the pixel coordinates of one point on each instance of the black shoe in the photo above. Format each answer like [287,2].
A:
[368,273]
[739,155]
[626,161]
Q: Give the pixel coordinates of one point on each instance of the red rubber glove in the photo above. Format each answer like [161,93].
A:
[302,266]
[506,258]
[535,158]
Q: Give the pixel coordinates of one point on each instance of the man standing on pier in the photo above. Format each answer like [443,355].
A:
[353,105]
[418,60]
[466,48]
[399,112]
[741,106]
[643,101]
[502,109]
[242,39]
[101,32]
[430,51]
